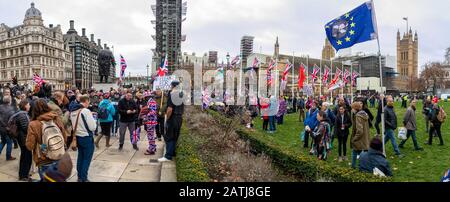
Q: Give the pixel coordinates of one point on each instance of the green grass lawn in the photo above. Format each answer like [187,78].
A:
[417,166]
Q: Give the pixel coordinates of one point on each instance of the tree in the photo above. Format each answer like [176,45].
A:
[433,75]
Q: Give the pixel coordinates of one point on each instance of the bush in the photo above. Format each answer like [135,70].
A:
[301,166]
[189,166]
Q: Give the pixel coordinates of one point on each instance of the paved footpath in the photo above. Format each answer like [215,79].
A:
[109,164]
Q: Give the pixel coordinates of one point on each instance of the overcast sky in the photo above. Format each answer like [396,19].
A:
[220,24]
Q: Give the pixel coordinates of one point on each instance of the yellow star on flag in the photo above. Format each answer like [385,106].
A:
[347,15]
[352,32]
[339,42]
[351,19]
[347,39]
[353,24]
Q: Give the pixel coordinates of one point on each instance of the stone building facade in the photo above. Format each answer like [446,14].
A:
[34,48]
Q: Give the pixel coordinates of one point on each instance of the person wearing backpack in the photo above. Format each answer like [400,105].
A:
[84,126]
[22,120]
[6,111]
[106,112]
[436,117]
[46,137]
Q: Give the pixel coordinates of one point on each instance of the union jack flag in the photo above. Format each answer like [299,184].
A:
[123,65]
[162,71]
[136,136]
[314,74]
[345,77]
[354,76]
[235,61]
[38,80]
[326,74]
[256,62]
[285,73]
[205,98]
[272,65]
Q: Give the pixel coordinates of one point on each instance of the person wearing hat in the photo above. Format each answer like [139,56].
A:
[60,171]
[174,120]
[106,112]
[374,159]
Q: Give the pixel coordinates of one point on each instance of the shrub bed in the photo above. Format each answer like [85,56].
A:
[189,166]
[304,167]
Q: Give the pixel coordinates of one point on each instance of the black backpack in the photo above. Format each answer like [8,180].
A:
[11,126]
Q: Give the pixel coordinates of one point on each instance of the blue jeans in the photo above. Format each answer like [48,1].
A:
[170,149]
[354,157]
[390,136]
[411,133]
[272,123]
[44,168]
[85,154]
[6,140]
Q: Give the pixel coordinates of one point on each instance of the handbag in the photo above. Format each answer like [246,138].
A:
[302,136]
[402,133]
[73,142]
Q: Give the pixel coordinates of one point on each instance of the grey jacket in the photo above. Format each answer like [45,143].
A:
[409,121]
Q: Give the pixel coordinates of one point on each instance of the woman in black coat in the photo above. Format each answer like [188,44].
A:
[342,125]
[22,121]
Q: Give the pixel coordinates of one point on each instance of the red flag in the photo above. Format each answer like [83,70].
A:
[301,77]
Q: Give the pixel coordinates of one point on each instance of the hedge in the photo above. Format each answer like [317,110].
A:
[190,168]
[309,169]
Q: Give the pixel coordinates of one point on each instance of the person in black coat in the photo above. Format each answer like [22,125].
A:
[22,122]
[127,110]
[342,125]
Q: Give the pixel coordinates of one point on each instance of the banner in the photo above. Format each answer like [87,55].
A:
[163,83]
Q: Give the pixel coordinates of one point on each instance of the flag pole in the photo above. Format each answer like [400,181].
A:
[307,71]
[320,77]
[381,81]
[342,67]
[351,83]
[293,74]
[332,99]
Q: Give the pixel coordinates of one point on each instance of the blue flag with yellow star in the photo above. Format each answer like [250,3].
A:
[357,26]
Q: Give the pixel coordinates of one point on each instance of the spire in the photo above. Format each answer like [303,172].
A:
[398,34]
[277,49]
[416,36]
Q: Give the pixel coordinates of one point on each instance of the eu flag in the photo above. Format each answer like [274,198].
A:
[356,26]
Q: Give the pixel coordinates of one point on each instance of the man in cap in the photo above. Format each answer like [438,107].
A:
[174,120]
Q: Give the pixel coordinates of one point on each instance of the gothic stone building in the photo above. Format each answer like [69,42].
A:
[34,48]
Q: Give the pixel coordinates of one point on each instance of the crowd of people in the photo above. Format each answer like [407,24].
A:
[350,121]
[46,124]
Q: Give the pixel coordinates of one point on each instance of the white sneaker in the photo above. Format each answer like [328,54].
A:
[163,159]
